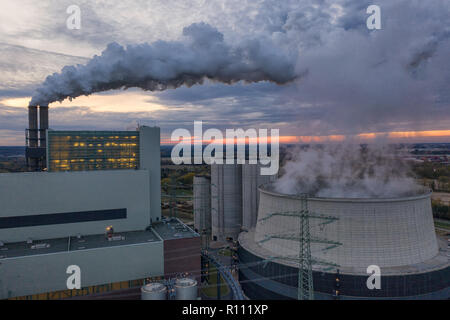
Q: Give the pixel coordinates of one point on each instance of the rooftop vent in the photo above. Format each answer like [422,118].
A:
[116,238]
[40,246]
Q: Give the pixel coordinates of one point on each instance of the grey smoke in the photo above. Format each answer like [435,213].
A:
[347,171]
[202,54]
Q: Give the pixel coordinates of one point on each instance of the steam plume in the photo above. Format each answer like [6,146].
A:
[347,171]
[203,54]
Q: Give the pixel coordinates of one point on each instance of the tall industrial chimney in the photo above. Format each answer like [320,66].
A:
[36,143]
[32,126]
[43,125]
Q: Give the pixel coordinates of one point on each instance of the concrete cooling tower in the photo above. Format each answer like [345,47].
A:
[383,232]
[395,234]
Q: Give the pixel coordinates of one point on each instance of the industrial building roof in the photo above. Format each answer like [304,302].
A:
[172,228]
[18,249]
[167,229]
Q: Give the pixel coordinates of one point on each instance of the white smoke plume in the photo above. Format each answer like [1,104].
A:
[347,171]
[202,54]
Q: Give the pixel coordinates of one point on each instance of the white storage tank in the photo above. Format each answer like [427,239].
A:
[226,201]
[154,291]
[202,204]
[186,289]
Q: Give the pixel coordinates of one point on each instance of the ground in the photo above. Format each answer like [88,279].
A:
[444,197]
[210,289]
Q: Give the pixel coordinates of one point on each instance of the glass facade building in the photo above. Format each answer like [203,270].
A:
[92,150]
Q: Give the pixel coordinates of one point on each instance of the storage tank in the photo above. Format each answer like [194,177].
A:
[202,204]
[384,232]
[226,201]
[154,291]
[251,181]
[186,289]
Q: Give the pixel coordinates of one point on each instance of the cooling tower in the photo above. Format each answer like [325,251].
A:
[226,201]
[251,181]
[383,232]
[202,204]
[395,234]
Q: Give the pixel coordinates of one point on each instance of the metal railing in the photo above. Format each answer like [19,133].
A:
[226,274]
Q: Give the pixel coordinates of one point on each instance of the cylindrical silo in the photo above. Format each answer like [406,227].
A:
[186,289]
[154,291]
[226,201]
[251,181]
[202,204]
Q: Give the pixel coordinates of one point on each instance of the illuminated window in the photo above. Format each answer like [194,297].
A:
[74,156]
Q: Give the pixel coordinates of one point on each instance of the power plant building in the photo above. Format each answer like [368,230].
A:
[92,200]
[202,204]
[98,208]
[226,201]
[251,181]
[92,150]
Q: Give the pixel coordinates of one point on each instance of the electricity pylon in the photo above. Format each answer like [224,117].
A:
[305,278]
[305,260]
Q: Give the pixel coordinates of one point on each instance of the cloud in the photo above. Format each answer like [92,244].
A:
[163,65]
[21,68]
[355,80]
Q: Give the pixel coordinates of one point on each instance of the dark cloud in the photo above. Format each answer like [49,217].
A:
[352,79]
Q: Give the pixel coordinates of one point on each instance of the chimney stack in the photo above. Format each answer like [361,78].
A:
[43,125]
[36,142]
[32,126]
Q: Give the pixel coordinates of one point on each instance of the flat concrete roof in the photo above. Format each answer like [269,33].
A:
[38,247]
[167,229]
[173,228]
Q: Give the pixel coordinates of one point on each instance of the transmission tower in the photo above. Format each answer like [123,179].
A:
[305,279]
[304,259]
